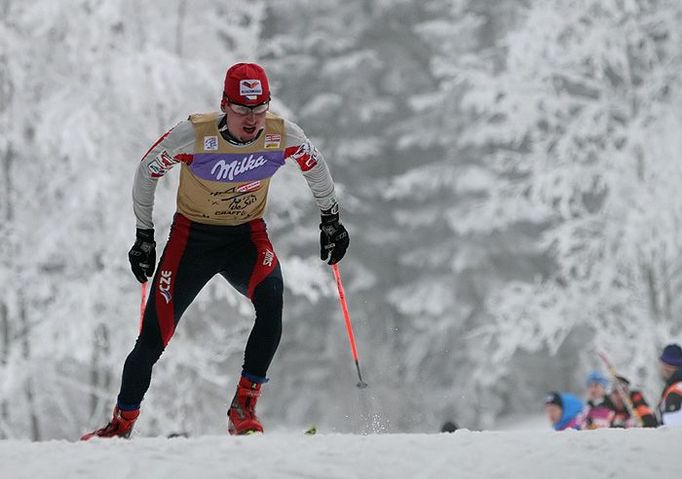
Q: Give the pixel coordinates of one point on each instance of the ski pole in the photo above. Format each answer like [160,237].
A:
[349,327]
[621,390]
[143,302]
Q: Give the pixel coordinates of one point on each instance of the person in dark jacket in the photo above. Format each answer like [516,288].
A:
[645,417]
[598,411]
[670,407]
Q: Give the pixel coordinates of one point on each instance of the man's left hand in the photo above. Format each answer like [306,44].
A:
[334,239]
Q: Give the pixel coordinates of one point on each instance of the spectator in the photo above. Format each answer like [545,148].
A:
[598,409]
[670,407]
[621,418]
[563,410]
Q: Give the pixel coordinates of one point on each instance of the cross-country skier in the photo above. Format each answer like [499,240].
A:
[226,161]
[670,407]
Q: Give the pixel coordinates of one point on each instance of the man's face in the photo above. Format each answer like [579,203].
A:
[243,122]
[595,391]
[616,399]
[553,413]
[667,370]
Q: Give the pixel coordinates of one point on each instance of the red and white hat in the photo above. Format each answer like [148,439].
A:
[245,84]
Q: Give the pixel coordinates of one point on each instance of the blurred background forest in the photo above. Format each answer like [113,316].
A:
[509,172]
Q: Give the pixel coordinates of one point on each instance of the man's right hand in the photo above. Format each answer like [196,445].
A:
[142,255]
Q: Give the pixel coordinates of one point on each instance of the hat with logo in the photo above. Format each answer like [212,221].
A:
[672,355]
[245,84]
[554,398]
[595,377]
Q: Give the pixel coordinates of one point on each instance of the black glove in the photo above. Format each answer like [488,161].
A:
[142,255]
[334,238]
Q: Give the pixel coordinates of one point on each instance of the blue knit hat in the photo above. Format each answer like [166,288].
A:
[672,354]
[596,377]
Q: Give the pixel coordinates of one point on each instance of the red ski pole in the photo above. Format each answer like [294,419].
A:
[349,327]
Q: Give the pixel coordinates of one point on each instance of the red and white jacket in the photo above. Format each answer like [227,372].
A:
[223,182]
[670,406]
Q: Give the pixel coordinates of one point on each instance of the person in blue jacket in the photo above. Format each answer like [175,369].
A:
[563,411]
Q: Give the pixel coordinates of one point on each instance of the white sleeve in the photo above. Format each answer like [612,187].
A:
[175,146]
[312,165]
[672,418]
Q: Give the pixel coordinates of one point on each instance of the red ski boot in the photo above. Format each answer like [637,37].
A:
[121,425]
[241,417]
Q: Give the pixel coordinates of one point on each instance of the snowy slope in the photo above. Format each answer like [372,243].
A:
[464,454]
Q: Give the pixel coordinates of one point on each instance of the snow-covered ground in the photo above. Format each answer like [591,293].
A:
[612,453]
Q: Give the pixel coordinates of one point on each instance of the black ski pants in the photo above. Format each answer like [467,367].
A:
[195,253]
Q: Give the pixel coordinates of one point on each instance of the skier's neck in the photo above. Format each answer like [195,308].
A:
[229,137]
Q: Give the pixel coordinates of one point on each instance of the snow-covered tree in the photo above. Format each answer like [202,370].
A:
[359,77]
[87,87]
[507,171]
[580,126]
[447,274]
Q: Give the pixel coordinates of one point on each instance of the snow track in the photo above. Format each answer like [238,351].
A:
[623,454]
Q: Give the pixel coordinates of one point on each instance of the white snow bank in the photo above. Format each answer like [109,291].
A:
[633,453]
